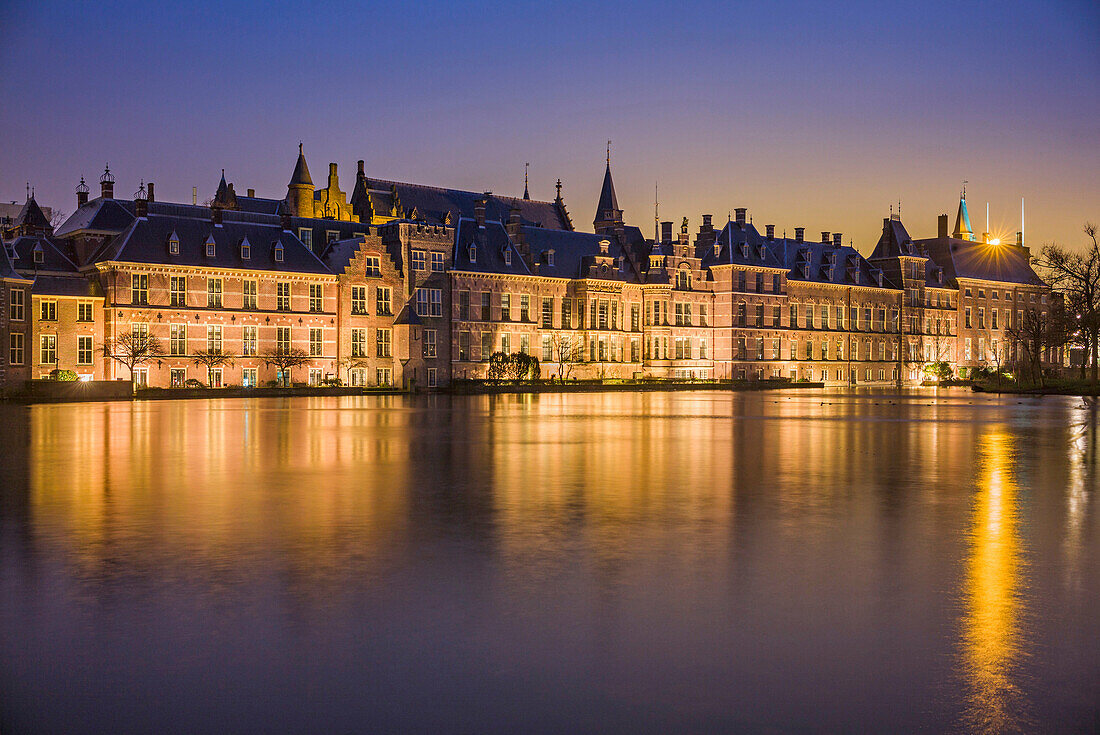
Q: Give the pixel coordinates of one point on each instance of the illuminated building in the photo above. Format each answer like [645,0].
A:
[411,286]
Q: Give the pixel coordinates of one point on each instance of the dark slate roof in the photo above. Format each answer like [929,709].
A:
[31,215]
[146,241]
[259,205]
[74,285]
[491,243]
[967,259]
[572,250]
[748,248]
[54,256]
[321,228]
[894,241]
[822,262]
[7,270]
[100,215]
[434,203]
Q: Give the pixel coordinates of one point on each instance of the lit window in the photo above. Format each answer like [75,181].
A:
[373,266]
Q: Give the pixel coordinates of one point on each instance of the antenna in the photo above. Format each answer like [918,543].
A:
[987,217]
[608,152]
[965,182]
[1022,240]
[656,215]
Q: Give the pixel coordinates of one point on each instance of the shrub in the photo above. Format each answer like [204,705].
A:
[194,383]
[63,376]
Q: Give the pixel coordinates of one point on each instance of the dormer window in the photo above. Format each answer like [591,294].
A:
[173,244]
[473,253]
[210,248]
[246,249]
[278,252]
[507,256]
[39,255]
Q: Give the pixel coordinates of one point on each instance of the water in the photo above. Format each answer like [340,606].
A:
[681,562]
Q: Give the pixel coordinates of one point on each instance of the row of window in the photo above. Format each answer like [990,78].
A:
[382,300]
[759,348]
[47,349]
[994,323]
[139,293]
[996,295]
[422,258]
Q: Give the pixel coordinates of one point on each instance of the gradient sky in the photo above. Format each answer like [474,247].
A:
[808,114]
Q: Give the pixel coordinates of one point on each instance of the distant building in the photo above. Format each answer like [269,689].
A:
[413,286]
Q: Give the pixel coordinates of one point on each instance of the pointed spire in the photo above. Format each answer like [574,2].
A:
[526,193]
[557,186]
[963,230]
[608,214]
[301,176]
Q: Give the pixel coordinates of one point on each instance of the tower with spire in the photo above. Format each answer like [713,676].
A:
[963,230]
[609,218]
[299,194]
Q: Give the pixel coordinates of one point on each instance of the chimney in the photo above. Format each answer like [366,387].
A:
[513,221]
[666,232]
[81,193]
[1019,239]
[739,215]
[141,203]
[151,194]
[825,236]
[799,234]
[479,209]
[837,239]
[251,193]
[942,228]
[284,220]
[360,170]
[770,229]
[107,183]
[216,215]
[706,223]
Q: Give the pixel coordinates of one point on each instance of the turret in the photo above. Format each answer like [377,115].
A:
[299,195]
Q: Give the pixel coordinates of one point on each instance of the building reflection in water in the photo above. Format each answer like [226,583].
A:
[992,592]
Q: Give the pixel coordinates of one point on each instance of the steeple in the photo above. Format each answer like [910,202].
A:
[299,195]
[963,230]
[608,214]
[526,194]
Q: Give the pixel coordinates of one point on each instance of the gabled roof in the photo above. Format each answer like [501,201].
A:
[31,216]
[894,241]
[54,257]
[822,262]
[982,261]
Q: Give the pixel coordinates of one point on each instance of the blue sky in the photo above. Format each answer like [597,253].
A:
[809,114]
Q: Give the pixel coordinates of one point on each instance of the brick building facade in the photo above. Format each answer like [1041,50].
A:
[412,286]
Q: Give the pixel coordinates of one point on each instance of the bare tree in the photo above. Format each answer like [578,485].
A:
[57,217]
[1037,333]
[285,360]
[212,359]
[567,352]
[133,350]
[1077,276]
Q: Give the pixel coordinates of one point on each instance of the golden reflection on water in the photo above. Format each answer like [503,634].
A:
[991,638]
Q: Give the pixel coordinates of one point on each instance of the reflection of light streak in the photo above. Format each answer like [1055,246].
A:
[991,620]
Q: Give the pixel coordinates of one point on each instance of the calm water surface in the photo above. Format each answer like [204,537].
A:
[684,562]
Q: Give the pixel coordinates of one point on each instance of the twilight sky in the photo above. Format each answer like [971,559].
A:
[808,114]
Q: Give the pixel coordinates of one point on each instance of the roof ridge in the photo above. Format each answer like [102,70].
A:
[463,191]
